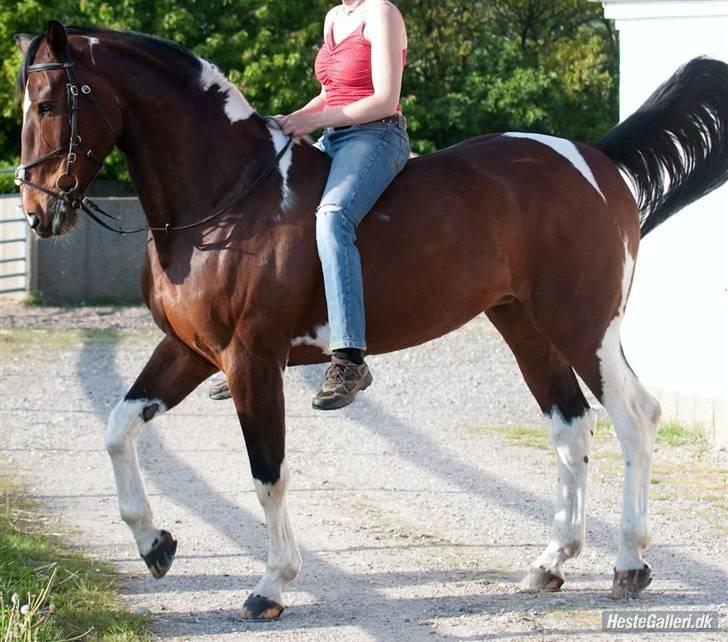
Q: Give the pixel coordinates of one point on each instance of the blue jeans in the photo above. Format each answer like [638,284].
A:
[365,159]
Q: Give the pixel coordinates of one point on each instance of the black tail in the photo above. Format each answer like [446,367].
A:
[675,147]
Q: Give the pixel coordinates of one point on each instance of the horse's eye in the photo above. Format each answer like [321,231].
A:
[45,108]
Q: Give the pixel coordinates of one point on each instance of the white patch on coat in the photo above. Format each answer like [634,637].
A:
[384,217]
[284,558]
[572,443]
[236,107]
[92,41]
[568,150]
[123,430]
[635,414]
[284,164]
[26,102]
[321,338]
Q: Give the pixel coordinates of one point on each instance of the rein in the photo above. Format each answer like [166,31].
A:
[77,199]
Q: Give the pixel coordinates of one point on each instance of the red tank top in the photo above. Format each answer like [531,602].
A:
[345,68]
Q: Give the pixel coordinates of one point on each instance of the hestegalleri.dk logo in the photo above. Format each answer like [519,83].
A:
[660,621]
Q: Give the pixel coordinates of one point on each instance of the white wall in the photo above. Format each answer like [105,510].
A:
[676,327]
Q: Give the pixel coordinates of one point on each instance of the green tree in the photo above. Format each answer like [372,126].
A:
[475,67]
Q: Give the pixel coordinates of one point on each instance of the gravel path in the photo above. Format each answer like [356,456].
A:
[416,509]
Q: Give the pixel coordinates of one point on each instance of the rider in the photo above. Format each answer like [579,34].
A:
[360,67]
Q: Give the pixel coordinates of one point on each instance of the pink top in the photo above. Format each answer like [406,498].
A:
[345,68]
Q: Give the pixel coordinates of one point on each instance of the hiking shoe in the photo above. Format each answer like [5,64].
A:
[344,379]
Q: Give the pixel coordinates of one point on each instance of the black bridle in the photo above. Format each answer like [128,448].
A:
[67,183]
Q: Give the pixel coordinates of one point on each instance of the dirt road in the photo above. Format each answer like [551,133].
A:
[417,509]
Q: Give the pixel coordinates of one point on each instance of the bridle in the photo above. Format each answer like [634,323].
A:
[67,183]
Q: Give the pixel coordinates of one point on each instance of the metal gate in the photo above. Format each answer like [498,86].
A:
[13,253]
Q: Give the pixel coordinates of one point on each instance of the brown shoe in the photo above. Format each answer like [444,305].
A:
[344,379]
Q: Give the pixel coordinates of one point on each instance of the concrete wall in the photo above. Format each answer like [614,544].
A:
[91,264]
[676,327]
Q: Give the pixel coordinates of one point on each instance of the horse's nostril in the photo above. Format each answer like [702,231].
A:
[33,221]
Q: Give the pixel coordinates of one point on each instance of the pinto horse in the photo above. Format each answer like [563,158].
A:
[538,233]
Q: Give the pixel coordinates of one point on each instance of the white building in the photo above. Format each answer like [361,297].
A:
[676,327]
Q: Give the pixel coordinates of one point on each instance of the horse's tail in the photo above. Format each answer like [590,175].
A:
[675,147]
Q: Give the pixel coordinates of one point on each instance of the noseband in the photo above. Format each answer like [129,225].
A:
[76,199]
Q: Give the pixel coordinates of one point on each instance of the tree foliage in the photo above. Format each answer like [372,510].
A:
[473,67]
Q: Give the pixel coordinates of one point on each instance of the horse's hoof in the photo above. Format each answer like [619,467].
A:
[629,584]
[540,579]
[160,558]
[218,389]
[260,609]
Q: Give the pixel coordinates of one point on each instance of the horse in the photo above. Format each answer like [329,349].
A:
[537,232]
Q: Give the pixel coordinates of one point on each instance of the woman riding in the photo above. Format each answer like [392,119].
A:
[360,67]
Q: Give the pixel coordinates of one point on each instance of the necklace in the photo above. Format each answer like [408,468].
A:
[348,11]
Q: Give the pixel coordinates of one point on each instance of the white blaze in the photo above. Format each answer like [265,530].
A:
[568,150]
[236,107]
[26,102]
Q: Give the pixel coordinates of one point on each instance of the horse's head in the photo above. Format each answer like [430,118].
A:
[70,124]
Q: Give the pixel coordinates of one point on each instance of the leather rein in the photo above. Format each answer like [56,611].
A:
[67,183]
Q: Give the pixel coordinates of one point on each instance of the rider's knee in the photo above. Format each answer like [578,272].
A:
[332,226]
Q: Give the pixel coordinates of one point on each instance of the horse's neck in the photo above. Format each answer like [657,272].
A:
[184,155]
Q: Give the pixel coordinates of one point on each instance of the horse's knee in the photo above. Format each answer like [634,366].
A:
[126,422]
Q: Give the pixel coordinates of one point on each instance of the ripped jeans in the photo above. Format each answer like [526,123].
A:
[365,159]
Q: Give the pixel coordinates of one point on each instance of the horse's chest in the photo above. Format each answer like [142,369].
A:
[192,315]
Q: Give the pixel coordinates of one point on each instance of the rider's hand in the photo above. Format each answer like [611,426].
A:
[298,124]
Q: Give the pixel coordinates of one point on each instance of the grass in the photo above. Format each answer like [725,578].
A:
[538,436]
[49,593]
[33,300]
[675,435]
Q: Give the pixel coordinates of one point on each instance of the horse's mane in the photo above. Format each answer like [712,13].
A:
[170,52]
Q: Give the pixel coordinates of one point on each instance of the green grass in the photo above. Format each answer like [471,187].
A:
[33,299]
[49,593]
[673,435]
[517,435]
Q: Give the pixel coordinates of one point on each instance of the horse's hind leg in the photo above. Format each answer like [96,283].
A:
[589,338]
[172,372]
[571,422]
[635,414]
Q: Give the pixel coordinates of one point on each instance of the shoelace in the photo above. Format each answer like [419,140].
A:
[336,373]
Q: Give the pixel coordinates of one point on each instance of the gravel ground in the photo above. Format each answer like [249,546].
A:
[417,509]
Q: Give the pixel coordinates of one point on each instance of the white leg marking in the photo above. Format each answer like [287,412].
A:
[320,338]
[91,43]
[568,150]
[284,164]
[284,558]
[125,425]
[236,107]
[635,414]
[572,443]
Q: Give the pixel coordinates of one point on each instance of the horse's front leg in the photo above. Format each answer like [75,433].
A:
[256,384]
[172,372]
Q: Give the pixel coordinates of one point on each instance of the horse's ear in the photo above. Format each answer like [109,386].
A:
[57,39]
[23,40]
